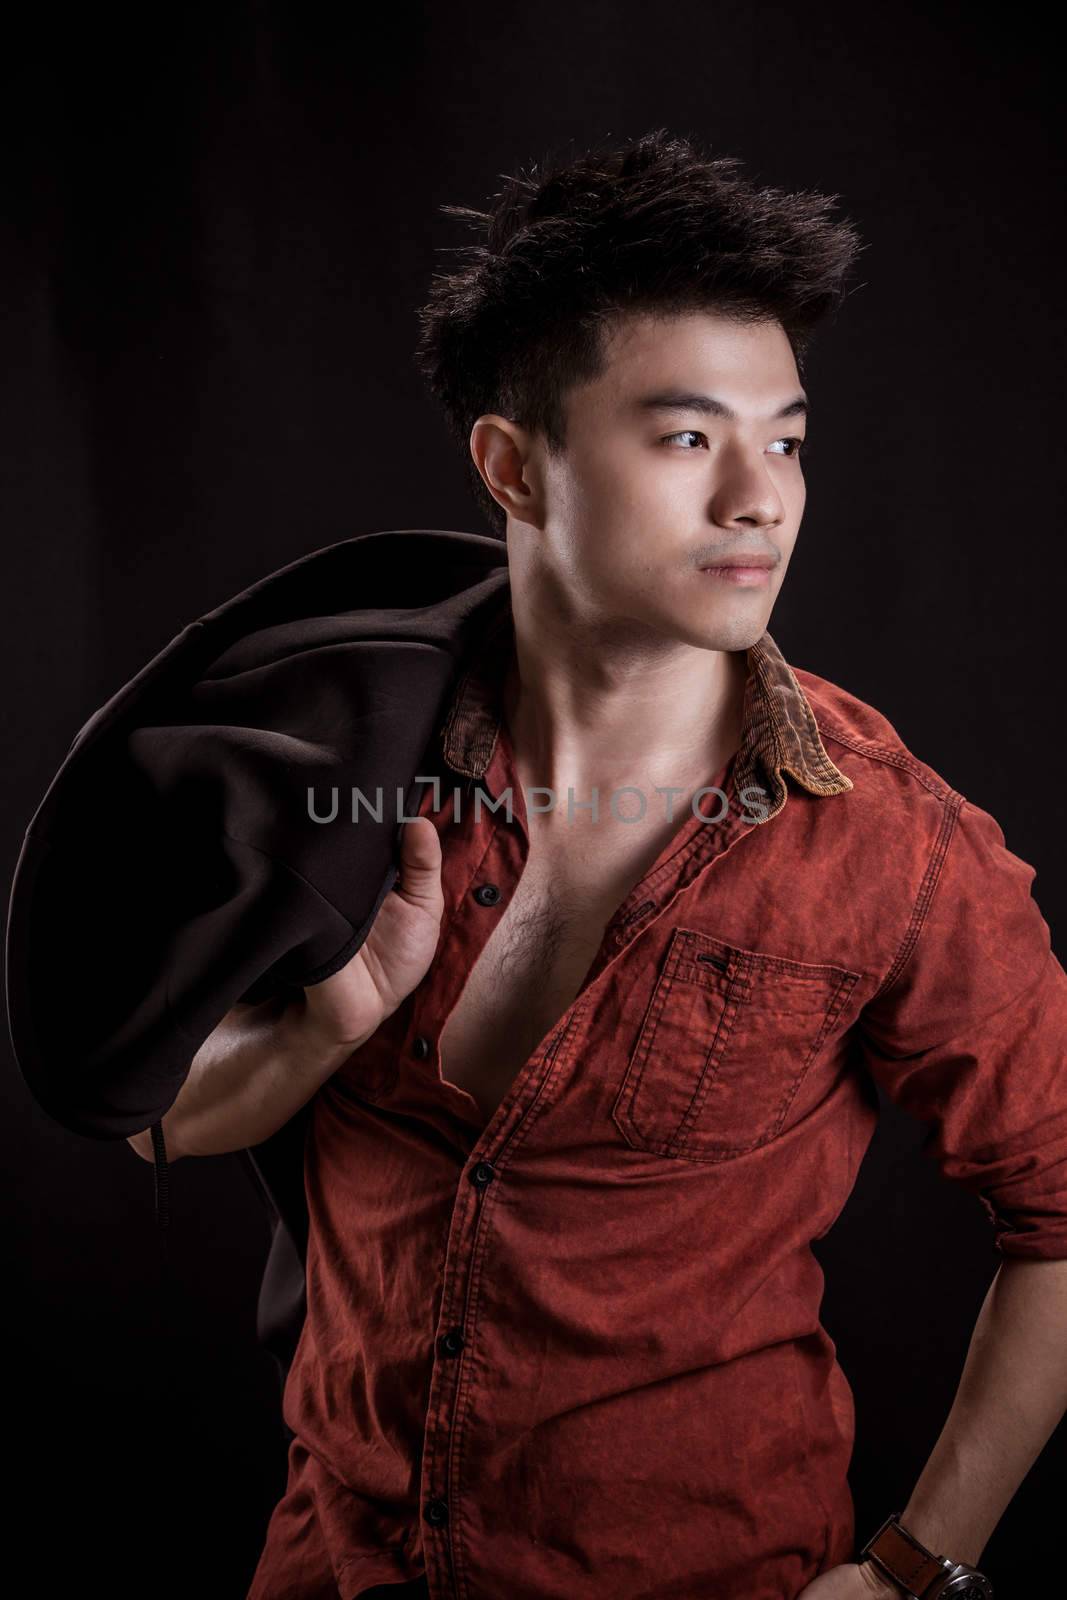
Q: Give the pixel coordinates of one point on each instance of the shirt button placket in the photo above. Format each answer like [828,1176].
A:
[451,1343]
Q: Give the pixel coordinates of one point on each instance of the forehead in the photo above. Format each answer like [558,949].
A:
[750,364]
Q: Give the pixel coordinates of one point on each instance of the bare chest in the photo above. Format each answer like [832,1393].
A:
[533,965]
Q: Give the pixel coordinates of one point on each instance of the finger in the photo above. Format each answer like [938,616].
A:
[420,860]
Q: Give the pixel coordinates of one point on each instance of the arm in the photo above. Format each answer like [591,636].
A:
[1011,1396]
[970,1037]
[249,1077]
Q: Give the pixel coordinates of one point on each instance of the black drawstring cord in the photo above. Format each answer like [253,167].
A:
[167,1327]
[162,1186]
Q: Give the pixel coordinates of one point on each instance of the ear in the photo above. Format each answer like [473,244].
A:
[503,453]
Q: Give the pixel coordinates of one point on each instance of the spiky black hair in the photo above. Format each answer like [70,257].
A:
[571,245]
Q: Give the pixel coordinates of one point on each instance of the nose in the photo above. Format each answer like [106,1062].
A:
[746,495]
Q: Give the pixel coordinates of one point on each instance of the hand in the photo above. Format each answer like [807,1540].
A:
[348,1007]
[852,1581]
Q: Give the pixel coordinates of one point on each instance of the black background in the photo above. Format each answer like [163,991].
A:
[218,224]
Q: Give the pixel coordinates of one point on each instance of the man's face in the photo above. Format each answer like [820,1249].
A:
[656,482]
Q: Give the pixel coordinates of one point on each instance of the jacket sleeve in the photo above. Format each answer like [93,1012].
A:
[969,1034]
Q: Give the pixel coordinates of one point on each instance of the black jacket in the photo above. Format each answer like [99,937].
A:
[173,866]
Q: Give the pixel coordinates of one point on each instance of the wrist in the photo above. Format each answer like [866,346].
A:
[878,1583]
[310,1046]
[900,1558]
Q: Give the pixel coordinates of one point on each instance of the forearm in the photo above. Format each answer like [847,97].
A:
[1012,1394]
[251,1075]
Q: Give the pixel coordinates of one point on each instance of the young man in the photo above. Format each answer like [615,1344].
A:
[603,1068]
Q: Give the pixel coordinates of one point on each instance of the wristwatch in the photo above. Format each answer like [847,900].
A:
[918,1571]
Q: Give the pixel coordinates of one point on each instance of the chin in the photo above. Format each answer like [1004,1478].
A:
[733,626]
[710,633]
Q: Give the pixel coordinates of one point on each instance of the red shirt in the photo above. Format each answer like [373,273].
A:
[575,1353]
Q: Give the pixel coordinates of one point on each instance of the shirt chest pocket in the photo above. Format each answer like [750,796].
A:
[725,1043]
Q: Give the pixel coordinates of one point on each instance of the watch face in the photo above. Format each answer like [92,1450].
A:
[968,1586]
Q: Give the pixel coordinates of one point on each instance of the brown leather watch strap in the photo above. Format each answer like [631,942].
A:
[907,1562]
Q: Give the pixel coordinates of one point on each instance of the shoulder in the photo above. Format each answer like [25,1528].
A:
[904,828]
[893,784]
[863,743]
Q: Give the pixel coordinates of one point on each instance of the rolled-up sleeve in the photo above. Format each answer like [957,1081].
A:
[969,1034]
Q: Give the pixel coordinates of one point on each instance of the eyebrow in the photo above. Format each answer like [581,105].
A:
[707,405]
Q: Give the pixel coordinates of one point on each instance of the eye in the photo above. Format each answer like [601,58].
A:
[794,445]
[687,433]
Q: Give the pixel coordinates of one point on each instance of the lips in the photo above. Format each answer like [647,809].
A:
[762,561]
[742,572]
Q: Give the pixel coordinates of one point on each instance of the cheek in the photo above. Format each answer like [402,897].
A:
[609,517]
[786,546]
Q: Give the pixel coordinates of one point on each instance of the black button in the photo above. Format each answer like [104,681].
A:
[451,1343]
[482,1174]
[421,1047]
[487,894]
[436,1512]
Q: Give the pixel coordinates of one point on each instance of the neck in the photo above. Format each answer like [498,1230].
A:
[611,705]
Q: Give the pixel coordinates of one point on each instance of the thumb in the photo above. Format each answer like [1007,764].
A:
[419,879]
